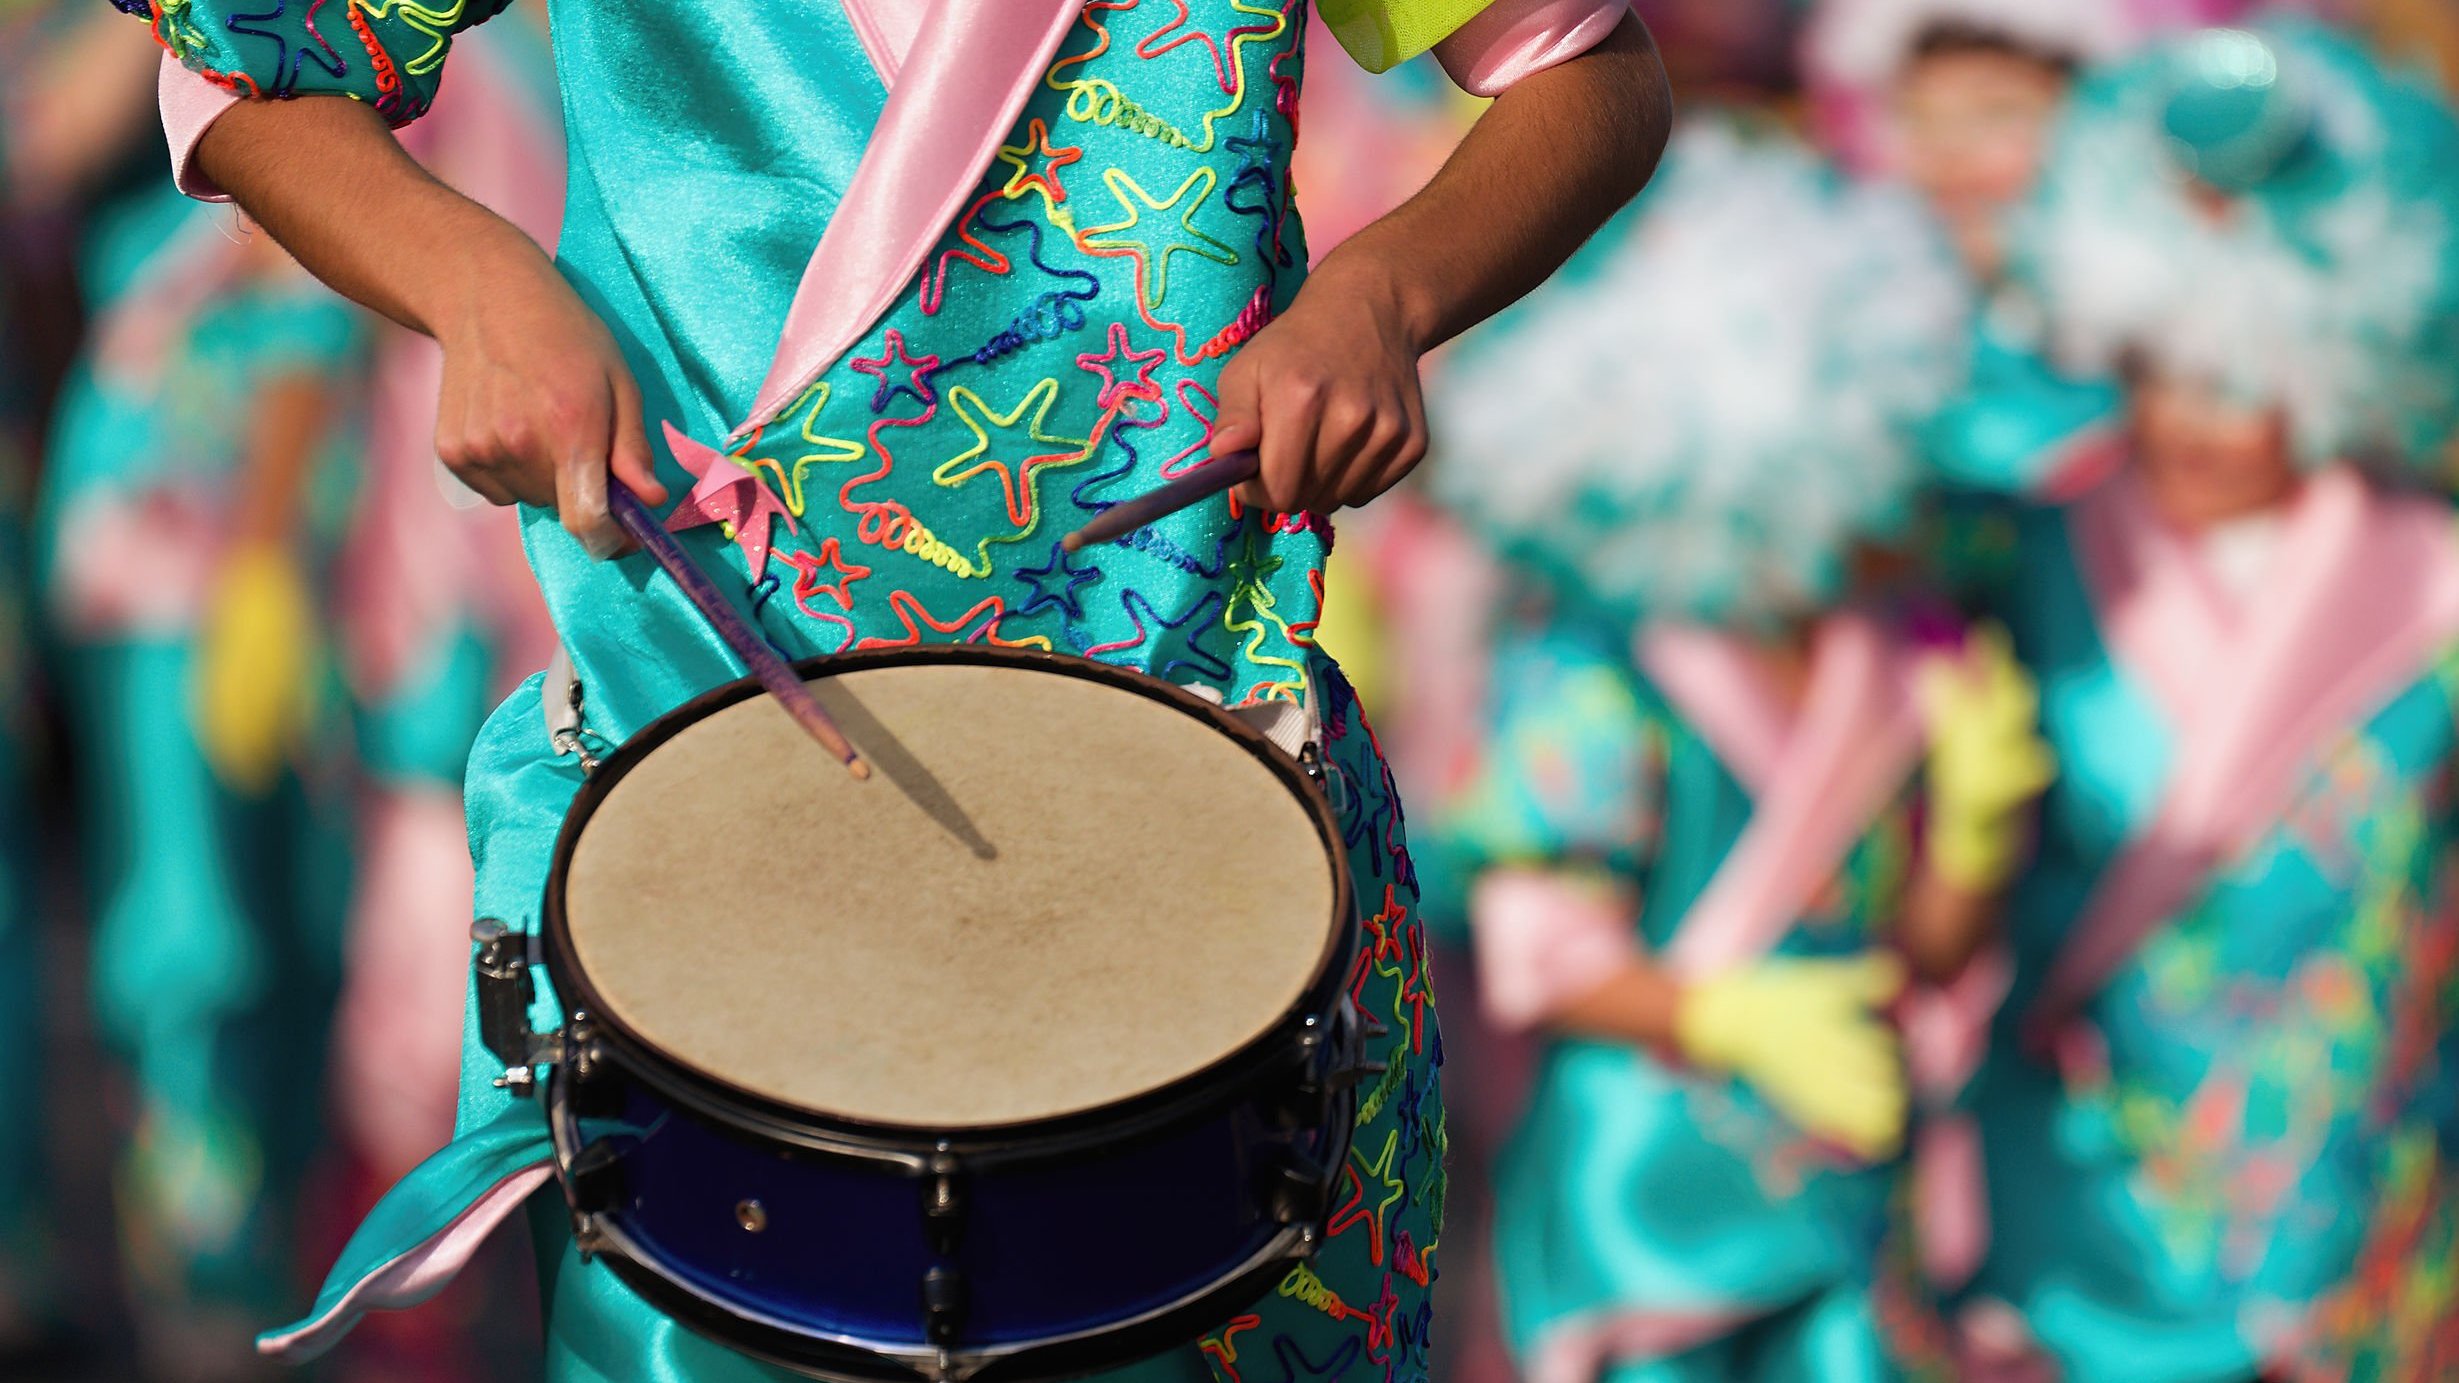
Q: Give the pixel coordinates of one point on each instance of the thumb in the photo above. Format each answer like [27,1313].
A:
[628,454]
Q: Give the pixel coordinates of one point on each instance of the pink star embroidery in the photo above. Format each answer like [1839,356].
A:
[1113,388]
[725,493]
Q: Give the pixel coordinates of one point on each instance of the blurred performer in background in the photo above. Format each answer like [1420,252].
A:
[189,510]
[2222,1138]
[1730,781]
[1957,98]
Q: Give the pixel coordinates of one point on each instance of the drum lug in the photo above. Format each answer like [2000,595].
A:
[943,1205]
[505,992]
[1297,1188]
[944,1289]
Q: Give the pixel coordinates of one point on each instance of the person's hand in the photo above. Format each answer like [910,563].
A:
[1987,762]
[1808,1036]
[1328,393]
[538,405]
[250,688]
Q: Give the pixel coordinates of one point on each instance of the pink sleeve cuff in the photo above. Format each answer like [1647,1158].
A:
[190,105]
[1514,39]
[1543,940]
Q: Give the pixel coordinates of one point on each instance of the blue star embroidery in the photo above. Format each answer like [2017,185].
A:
[1055,583]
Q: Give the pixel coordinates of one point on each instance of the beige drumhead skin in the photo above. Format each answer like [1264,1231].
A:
[1152,899]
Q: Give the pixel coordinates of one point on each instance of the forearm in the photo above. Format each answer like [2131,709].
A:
[1943,926]
[326,178]
[287,421]
[1549,162]
[1635,1004]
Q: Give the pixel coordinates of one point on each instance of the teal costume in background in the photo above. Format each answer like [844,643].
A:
[2022,426]
[2248,1157]
[1634,1189]
[1056,354]
[216,915]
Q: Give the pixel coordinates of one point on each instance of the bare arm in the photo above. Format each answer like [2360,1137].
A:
[286,420]
[1330,391]
[1636,1004]
[1943,926]
[537,401]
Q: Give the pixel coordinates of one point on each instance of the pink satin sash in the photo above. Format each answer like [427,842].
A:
[1857,739]
[955,98]
[886,30]
[2364,595]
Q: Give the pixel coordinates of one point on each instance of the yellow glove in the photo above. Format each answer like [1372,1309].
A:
[1808,1036]
[1987,761]
[252,664]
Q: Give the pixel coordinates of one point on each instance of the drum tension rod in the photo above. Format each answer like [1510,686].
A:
[944,1289]
[505,992]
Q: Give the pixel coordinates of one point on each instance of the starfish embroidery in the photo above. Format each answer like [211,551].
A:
[892,353]
[807,582]
[724,493]
[1045,178]
[1153,268]
[828,451]
[1055,583]
[1113,389]
[1037,448]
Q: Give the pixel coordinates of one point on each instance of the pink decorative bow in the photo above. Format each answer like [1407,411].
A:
[725,493]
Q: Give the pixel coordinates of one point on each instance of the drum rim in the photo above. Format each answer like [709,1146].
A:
[1208,1088]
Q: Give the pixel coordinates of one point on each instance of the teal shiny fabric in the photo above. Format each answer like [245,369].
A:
[2264,1169]
[1634,1188]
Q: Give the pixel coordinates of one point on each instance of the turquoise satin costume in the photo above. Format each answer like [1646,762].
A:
[2022,425]
[1633,1188]
[216,940]
[1055,354]
[2248,1158]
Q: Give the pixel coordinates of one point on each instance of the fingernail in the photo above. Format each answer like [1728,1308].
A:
[602,545]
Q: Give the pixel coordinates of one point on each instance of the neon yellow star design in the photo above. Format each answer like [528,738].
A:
[1153,278]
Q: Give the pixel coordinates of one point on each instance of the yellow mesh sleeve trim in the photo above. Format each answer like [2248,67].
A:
[1382,34]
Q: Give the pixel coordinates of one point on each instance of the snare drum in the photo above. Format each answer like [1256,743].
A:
[1028,1058]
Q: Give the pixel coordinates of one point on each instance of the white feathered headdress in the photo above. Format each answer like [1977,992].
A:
[1862,44]
[1718,398]
[2318,266]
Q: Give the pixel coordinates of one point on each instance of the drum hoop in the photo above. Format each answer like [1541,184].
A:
[1190,1097]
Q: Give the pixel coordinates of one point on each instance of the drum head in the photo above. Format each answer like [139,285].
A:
[1060,891]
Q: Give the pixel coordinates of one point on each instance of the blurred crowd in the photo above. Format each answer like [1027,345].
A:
[1924,666]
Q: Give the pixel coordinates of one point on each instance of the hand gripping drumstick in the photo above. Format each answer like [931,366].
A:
[1205,481]
[747,643]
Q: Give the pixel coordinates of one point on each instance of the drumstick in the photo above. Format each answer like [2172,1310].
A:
[1214,477]
[774,673]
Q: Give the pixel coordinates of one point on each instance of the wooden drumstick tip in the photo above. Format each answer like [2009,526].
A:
[1072,543]
[860,770]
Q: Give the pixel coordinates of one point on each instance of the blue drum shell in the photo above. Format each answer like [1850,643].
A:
[802,1255]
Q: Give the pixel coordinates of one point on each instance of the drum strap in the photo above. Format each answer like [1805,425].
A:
[1290,726]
